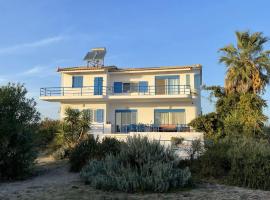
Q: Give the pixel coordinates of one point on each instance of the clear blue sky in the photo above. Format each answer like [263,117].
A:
[38,35]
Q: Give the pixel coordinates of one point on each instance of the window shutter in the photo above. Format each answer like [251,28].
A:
[187,79]
[143,86]
[98,85]
[197,81]
[117,87]
[99,115]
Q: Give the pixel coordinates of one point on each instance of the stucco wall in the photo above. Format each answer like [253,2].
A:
[81,106]
[145,110]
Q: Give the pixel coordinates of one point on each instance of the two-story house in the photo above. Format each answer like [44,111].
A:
[131,99]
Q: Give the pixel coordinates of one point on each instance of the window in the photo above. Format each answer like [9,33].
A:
[187,79]
[127,87]
[197,81]
[77,81]
[98,85]
[125,120]
[169,116]
[96,115]
[99,115]
[167,84]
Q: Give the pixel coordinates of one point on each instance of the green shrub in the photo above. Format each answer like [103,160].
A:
[141,165]
[250,163]
[17,157]
[214,162]
[108,146]
[47,131]
[84,151]
[90,149]
[18,123]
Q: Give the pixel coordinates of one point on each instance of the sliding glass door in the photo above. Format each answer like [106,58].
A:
[170,116]
[167,85]
[125,120]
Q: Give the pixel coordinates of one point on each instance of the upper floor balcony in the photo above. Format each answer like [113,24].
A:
[115,92]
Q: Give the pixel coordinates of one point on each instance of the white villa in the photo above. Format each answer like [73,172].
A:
[128,100]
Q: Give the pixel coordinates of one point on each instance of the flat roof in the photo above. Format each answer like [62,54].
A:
[116,69]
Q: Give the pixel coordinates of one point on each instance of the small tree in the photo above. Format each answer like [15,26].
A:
[76,125]
[18,122]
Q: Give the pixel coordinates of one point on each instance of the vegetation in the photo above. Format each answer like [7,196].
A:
[76,125]
[248,66]
[90,149]
[141,165]
[237,144]
[18,123]
[240,161]
[239,107]
[47,132]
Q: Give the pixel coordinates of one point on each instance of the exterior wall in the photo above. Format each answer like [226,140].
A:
[145,110]
[144,106]
[82,106]
[110,78]
[88,78]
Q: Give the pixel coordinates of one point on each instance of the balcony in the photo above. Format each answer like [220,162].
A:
[109,92]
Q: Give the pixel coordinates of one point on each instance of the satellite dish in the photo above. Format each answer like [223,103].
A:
[95,57]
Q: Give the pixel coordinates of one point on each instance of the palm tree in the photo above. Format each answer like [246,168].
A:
[248,66]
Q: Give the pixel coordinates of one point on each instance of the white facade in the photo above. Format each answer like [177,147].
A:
[131,100]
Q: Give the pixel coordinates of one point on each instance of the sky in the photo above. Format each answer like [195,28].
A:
[37,36]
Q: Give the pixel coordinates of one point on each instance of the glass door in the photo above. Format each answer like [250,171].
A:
[167,85]
[125,120]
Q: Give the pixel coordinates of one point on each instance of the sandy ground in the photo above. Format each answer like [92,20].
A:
[56,183]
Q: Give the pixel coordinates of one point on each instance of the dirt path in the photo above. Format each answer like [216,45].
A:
[56,183]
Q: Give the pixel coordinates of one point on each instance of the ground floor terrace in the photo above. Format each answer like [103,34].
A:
[126,117]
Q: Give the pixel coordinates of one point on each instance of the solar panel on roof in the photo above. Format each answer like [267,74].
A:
[95,56]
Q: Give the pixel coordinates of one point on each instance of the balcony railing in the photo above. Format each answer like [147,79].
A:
[108,90]
[152,128]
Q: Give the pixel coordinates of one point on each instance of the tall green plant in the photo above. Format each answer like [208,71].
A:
[18,122]
[248,66]
[76,124]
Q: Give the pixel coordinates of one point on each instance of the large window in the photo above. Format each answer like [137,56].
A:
[96,115]
[77,81]
[130,87]
[167,85]
[125,120]
[170,116]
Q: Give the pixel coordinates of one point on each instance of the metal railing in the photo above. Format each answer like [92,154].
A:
[110,90]
[152,128]
[70,91]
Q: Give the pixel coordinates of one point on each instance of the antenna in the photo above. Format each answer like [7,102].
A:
[95,57]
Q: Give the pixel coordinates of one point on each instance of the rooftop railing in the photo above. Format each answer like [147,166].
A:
[109,90]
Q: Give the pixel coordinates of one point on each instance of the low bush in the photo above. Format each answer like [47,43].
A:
[241,161]
[84,151]
[108,146]
[250,163]
[90,149]
[214,162]
[17,157]
[47,131]
[141,165]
